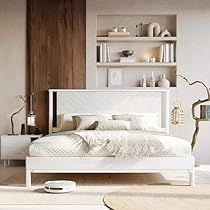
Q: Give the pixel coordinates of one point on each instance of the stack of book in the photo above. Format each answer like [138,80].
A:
[127,59]
[167,53]
[103,53]
[205,112]
[118,34]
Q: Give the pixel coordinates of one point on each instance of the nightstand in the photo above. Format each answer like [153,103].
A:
[15,147]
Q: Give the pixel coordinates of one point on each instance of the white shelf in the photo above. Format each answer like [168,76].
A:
[136,64]
[135,39]
[152,89]
[105,89]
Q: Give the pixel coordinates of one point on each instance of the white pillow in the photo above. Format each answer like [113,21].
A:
[87,122]
[113,125]
[144,122]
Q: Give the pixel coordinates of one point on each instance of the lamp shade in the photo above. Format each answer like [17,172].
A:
[31,119]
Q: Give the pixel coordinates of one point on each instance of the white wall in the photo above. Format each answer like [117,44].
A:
[12,61]
[193,52]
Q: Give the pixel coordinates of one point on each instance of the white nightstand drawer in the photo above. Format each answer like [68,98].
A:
[15,147]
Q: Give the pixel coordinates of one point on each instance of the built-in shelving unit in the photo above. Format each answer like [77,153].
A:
[136,39]
[143,46]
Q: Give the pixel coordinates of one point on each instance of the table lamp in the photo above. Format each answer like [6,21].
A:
[31,118]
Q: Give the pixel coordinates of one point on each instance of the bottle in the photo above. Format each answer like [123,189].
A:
[152,81]
[144,81]
[23,129]
[163,82]
[114,29]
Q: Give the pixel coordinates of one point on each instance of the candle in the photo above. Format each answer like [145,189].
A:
[146,60]
[123,29]
[152,59]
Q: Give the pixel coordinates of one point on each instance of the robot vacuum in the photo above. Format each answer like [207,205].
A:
[59,186]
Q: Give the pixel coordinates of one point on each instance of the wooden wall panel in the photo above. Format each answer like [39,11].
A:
[56,50]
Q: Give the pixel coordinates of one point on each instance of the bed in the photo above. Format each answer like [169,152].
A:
[80,151]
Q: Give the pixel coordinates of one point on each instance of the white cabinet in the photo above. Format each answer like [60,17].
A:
[16,147]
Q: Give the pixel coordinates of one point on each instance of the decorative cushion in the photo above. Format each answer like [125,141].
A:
[87,122]
[65,122]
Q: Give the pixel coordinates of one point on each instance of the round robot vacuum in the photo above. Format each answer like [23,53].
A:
[59,186]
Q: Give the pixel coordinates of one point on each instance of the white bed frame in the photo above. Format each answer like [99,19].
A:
[108,101]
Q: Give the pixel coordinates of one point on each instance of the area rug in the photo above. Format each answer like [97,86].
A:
[160,198]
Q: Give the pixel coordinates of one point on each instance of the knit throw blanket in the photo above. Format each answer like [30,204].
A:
[123,144]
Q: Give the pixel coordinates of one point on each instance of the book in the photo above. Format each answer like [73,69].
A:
[171,52]
[108,54]
[103,53]
[98,53]
[202,112]
[161,54]
[205,112]
[127,59]
[166,53]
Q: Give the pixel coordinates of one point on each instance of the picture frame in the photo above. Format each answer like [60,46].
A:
[115,77]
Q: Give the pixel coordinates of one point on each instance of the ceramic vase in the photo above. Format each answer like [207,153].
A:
[164,82]
[165,33]
[153,29]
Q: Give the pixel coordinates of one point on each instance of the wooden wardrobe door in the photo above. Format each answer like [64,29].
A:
[56,40]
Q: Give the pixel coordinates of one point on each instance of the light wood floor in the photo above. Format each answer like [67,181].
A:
[91,188]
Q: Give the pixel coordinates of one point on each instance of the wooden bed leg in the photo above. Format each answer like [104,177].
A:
[28,178]
[192,177]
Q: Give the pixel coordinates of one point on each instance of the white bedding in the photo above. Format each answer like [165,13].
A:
[109,143]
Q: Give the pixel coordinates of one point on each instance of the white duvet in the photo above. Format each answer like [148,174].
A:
[109,143]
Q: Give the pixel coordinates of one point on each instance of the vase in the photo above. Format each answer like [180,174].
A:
[153,30]
[165,33]
[164,82]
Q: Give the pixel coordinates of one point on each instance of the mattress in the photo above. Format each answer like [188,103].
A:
[61,145]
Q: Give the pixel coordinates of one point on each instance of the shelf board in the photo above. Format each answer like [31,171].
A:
[203,120]
[136,64]
[140,88]
[136,39]
[149,89]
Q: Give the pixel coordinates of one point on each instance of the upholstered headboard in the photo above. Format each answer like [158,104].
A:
[144,100]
